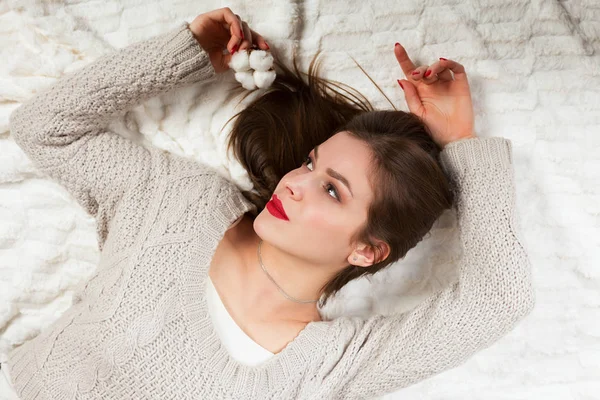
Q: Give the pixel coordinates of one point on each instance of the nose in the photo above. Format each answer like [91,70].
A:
[294,189]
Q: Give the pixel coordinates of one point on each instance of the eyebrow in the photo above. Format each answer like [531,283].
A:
[335,174]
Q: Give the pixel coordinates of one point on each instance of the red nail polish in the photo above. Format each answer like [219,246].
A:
[442,58]
[266,44]
[234,49]
[397,44]
[427,73]
[400,83]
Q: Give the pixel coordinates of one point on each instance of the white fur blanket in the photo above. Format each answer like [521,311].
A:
[533,67]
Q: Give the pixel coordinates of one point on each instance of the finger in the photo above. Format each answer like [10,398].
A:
[233,22]
[457,69]
[430,75]
[259,40]
[234,26]
[234,44]
[242,25]
[247,42]
[445,75]
[404,60]
[411,95]
[417,73]
[440,71]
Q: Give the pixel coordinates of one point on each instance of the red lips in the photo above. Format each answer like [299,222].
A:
[275,207]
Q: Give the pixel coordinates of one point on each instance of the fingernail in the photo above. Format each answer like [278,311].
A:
[266,44]
[416,72]
[400,83]
[427,73]
[397,44]
[234,49]
[442,58]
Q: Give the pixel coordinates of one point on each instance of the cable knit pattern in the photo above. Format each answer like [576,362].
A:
[140,327]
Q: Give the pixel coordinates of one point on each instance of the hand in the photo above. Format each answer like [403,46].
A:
[442,100]
[220,29]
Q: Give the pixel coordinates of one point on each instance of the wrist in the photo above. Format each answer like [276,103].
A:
[460,138]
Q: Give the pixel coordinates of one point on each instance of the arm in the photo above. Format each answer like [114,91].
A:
[493,293]
[62,129]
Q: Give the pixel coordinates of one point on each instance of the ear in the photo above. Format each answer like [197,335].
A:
[364,255]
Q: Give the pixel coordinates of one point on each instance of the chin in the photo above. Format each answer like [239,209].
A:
[267,227]
[261,223]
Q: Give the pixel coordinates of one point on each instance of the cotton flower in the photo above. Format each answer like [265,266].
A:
[246,78]
[264,79]
[253,68]
[260,60]
[240,61]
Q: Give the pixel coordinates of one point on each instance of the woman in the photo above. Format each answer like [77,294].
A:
[191,269]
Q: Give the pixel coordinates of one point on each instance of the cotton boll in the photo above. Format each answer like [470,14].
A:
[261,60]
[246,79]
[239,61]
[264,79]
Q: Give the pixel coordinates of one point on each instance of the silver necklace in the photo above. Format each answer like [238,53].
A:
[272,280]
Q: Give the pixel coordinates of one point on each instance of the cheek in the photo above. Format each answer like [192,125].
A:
[325,221]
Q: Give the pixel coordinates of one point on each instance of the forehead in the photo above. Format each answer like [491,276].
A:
[350,157]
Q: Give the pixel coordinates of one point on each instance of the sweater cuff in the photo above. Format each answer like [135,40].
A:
[475,153]
[189,61]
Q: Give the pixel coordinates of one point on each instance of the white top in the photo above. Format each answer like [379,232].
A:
[236,341]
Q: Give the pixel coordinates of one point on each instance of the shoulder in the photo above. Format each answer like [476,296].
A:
[174,167]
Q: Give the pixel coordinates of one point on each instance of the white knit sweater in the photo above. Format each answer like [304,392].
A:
[140,327]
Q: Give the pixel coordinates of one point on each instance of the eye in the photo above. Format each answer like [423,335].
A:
[329,186]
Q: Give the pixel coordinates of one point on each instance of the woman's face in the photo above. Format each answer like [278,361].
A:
[323,212]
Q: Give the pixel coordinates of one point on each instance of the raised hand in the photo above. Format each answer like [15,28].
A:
[442,99]
[220,29]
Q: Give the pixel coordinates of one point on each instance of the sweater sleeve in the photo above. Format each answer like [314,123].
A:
[493,293]
[62,129]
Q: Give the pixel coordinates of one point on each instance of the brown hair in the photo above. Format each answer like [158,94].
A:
[276,131]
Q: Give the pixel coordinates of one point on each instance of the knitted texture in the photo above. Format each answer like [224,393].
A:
[140,327]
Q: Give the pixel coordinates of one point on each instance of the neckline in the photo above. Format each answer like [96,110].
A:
[222,307]
[302,350]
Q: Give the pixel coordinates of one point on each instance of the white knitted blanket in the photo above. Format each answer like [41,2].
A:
[533,69]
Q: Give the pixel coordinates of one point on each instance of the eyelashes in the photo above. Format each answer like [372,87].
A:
[329,186]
